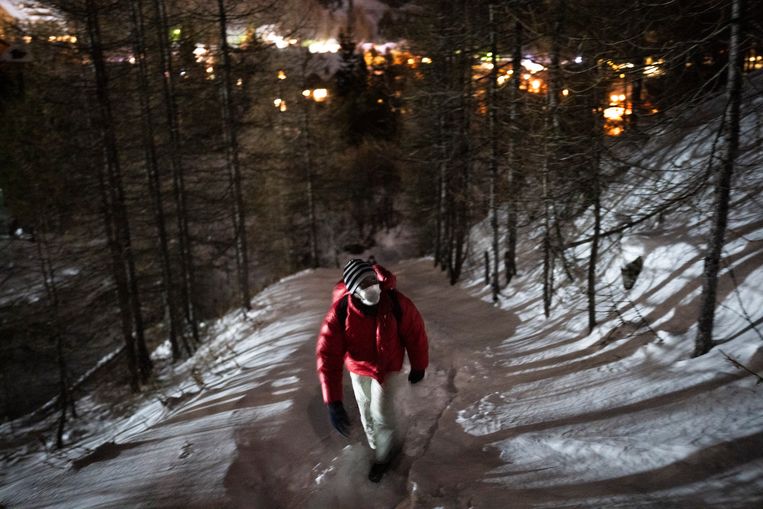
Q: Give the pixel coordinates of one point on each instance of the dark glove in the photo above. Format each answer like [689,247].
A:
[339,418]
[415,375]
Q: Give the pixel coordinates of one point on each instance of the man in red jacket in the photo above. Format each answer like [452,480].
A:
[369,329]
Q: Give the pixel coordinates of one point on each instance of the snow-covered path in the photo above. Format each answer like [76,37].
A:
[260,436]
[509,415]
[308,464]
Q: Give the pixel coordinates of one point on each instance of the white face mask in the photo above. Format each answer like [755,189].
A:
[369,295]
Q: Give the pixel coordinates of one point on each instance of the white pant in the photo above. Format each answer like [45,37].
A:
[377,411]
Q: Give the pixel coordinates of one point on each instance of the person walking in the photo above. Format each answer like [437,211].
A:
[369,329]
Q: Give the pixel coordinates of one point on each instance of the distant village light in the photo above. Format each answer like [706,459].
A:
[281,75]
[320,94]
[199,52]
[426,60]
[269,35]
[565,92]
[614,113]
[531,66]
[307,93]
[56,38]
[652,70]
[327,46]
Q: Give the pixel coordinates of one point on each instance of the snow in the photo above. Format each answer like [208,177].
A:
[516,409]
[581,411]
[12,10]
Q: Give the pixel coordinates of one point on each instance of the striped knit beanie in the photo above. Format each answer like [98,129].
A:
[355,272]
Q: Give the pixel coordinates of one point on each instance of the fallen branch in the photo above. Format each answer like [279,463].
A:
[739,365]
[105,362]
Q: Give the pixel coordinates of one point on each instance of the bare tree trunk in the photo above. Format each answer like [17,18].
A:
[487,268]
[596,197]
[591,290]
[638,79]
[116,188]
[231,142]
[460,225]
[555,78]
[547,269]
[152,173]
[493,134]
[510,258]
[111,192]
[49,282]
[308,153]
[442,179]
[187,286]
[145,364]
[443,65]
[637,86]
[704,339]
[554,88]
[450,236]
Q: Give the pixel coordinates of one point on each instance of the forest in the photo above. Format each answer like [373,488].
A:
[162,162]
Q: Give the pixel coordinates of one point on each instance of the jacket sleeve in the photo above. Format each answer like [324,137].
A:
[414,334]
[330,351]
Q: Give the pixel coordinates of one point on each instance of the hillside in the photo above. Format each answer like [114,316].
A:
[515,411]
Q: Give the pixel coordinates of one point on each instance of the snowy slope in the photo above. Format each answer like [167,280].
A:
[515,411]
[624,417]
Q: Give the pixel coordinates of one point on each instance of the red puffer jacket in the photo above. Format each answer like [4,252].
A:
[369,345]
